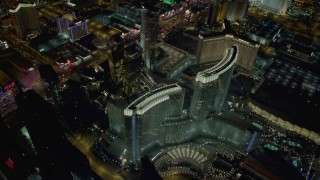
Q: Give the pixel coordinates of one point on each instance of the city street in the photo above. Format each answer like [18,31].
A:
[84,142]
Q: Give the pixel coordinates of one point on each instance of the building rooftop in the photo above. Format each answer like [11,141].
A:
[22,6]
[132,49]
[184,41]
[304,41]
[173,59]
[268,29]
[300,48]
[213,73]
[101,31]
[86,41]
[142,101]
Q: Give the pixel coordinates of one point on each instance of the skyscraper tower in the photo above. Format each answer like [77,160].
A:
[25,19]
[226,9]
[71,26]
[237,9]
[213,13]
[275,6]
[116,45]
[223,10]
[144,116]
[212,85]
[148,39]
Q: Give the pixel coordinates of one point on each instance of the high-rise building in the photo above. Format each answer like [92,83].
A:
[164,117]
[132,68]
[116,45]
[14,3]
[210,49]
[125,64]
[116,116]
[78,30]
[223,10]
[218,10]
[143,116]
[237,9]
[212,85]
[130,10]
[64,22]
[226,9]
[213,13]
[25,19]
[158,119]
[72,27]
[149,33]
[275,6]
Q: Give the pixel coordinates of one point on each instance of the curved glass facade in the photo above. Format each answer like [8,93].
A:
[212,86]
[158,119]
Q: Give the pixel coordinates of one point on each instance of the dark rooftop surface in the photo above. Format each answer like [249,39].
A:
[183,42]
[268,29]
[303,40]
[133,106]
[301,48]
[86,41]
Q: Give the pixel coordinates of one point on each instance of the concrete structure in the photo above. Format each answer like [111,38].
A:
[69,25]
[161,117]
[173,62]
[237,9]
[149,32]
[144,115]
[210,50]
[275,6]
[25,19]
[212,86]
[266,33]
[131,11]
[232,10]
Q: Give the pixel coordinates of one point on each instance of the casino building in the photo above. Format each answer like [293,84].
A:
[211,49]
[161,118]
[25,19]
